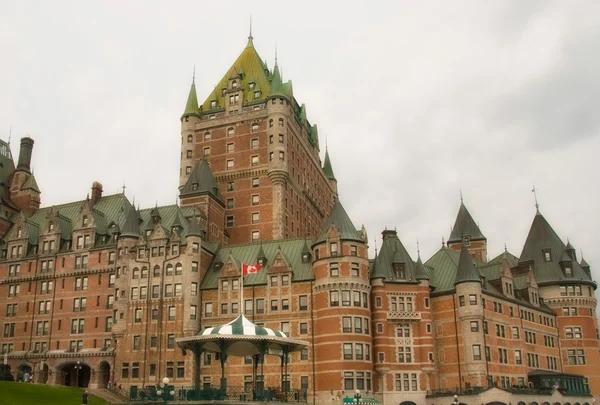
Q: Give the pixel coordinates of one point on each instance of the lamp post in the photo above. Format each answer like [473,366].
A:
[164,392]
[357,397]
[77,368]
[455,399]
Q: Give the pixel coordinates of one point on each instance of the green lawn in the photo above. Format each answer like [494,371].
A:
[13,393]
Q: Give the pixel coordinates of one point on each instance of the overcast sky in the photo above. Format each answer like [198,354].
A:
[418,100]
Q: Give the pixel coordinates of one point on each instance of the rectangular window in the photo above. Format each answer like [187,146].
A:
[334,298]
[334,270]
[255,199]
[472,299]
[476,352]
[347,351]
[474,326]
[254,161]
[303,302]
[229,164]
[461,300]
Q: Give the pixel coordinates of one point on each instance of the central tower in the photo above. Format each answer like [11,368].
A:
[262,152]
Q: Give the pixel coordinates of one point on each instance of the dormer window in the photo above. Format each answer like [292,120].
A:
[547,255]
[305,257]
[333,249]
[466,240]
[51,226]
[19,232]
[195,186]
[251,85]
[85,220]
[256,95]
[213,104]
[568,271]
[148,233]
[234,84]
[399,271]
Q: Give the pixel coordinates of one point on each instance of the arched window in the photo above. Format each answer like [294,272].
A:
[178,269]
[144,272]
[135,274]
[156,272]
[169,271]
[280,122]
[271,123]
[234,84]
[19,232]
[50,226]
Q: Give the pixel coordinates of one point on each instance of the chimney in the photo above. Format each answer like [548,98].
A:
[25,155]
[96,192]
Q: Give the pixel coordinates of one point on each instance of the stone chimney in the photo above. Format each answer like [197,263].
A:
[96,192]
[25,155]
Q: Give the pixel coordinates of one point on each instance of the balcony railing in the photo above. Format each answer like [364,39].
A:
[213,393]
[404,315]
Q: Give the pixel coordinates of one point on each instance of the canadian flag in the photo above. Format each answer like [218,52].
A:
[247,269]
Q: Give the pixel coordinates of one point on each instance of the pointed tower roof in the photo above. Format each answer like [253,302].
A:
[194,227]
[277,89]
[465,225]
[261,253]
[342,222]
[131,225]
[202,181]
[467,271]
[327,169]
[254,70]
[177,222]
[543,239]
[583,263]
[420,272]
[191,107]
[393,251]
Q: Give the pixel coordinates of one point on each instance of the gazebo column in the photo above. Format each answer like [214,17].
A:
[286,355]
[223,357]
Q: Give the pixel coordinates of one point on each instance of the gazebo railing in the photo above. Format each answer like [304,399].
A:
[215,393]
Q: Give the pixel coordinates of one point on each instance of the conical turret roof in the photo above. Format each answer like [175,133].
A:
[583,263]
[543,240]
[194,227]
[327,169]
[201,181]
[467,271]
[465,225]
[420,272]
[277,89]
[131,226]
[191,107]
[342,222]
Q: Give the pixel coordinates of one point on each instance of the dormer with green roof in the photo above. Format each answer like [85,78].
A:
[466,232]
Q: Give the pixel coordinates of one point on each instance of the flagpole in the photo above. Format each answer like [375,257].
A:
[242,292]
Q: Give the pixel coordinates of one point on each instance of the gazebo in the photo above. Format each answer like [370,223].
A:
[243,338]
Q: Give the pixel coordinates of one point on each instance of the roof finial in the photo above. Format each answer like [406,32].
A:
[275,53]
[443,242]
[9,135]
[124,187]
[461,197]
[250,36]
[537,206]
[375,239]
[505,248]
[194,75]
[418,248]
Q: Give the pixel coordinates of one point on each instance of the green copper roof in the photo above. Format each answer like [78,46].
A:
[277,89]
[584,264]
[393,251]
[492,269]
[31,184]
[248,254]
[131,225]
[343,224]
[541,238]
[420,272]
[443,265]
[327,169]
[191,107]
[467,271]
[168,214]
[202,181]
[251,69]
[464,225]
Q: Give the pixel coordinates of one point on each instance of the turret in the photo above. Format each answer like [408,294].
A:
[189,119]
[466,232]
[328,170]
[24,191]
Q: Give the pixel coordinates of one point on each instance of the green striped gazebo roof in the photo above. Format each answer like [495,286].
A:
[240,337]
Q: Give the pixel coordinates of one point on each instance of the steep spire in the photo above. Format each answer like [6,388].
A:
[250,37]
[131,226]
[327,169]
[201,181]
[194,227]
[465,225]
[339,217]
[420,272]
[191,107]
[466,271]
[276,82]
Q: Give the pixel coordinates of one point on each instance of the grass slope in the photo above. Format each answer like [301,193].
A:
[13,393]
